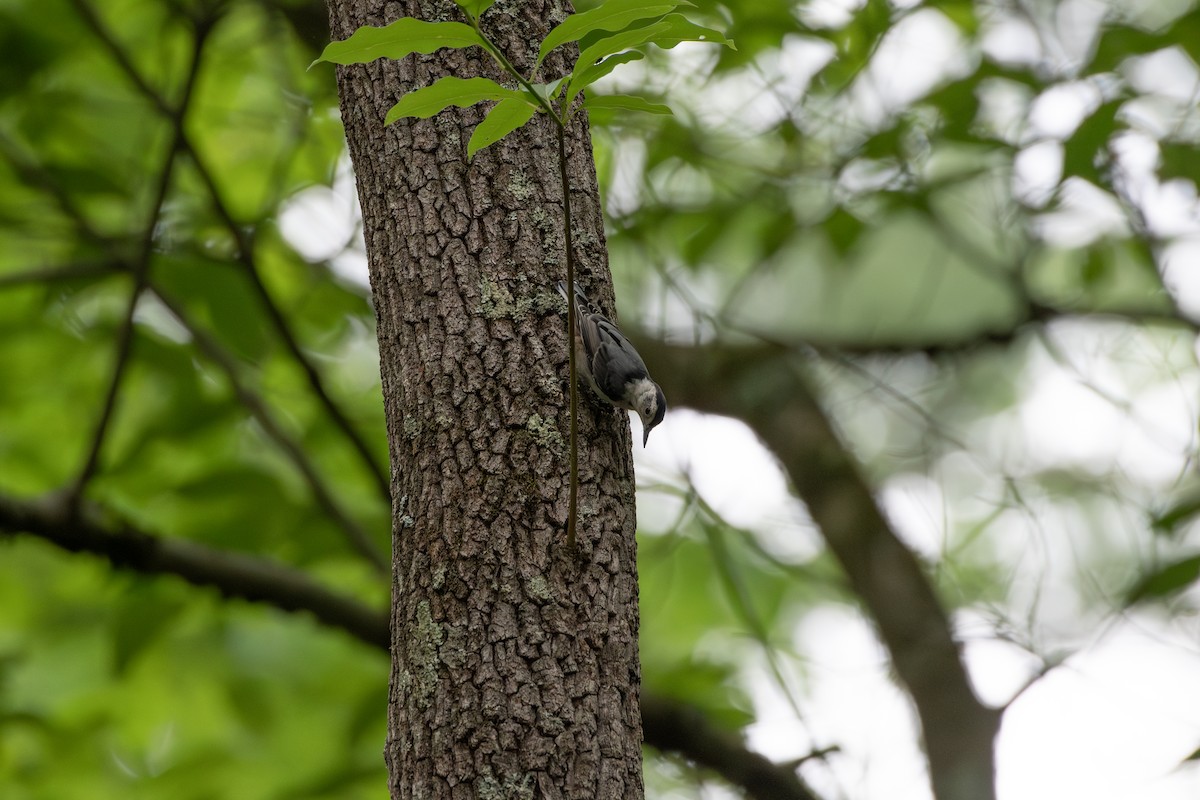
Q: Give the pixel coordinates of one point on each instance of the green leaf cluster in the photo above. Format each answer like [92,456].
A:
[613,31]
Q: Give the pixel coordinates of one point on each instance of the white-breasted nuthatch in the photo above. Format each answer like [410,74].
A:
[611,365]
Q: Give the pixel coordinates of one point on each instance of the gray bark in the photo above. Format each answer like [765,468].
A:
[514,663]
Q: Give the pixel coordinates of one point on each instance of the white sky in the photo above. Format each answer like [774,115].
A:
[1118,718]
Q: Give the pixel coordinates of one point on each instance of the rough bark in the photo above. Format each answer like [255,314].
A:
[514,663]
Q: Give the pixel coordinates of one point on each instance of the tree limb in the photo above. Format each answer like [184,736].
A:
[677,728]
[1034,314]
[234,575]
[669,726]
[764,388]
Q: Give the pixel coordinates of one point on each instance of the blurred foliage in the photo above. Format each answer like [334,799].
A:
[930,201]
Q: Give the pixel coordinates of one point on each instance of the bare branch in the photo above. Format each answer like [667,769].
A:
[1035,314]
[234,575]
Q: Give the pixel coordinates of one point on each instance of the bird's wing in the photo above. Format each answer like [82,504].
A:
[614,361]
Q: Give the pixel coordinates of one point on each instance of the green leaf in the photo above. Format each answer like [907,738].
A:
[627,103]
[958,106]
[143,616]
[666,33]
[961,12]
[1179,160]
[595,72]
[1096,267]
[504,118]
[624,102]
[449,91]
[681,29]
[1186,31]
[612,16]
[624,40]
[546,91]
[474,8]
[1167,580]
[1081,148]
[397,40]
[709,688]
[1178,514]
[221,298]
[1119,42]
[844,230]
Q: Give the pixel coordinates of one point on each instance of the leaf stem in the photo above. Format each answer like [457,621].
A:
[508,67]
[573,501]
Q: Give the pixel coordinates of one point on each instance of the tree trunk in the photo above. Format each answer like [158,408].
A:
[514,662]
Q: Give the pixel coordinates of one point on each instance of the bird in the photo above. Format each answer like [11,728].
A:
[611,364]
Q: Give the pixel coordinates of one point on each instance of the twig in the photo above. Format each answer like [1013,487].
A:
[234,575]
[355,534]
[673,727]
[572,367]
[62,272]
[141,271]
[38,176]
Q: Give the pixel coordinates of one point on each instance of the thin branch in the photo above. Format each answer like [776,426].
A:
[34,174]
[121,57]
[359,539]
[256,406]
[673,727]
[738,596]
[141,271]
[62,272]
[245,256]
[669,726]
[1035,313]
[283,328]
[572,366]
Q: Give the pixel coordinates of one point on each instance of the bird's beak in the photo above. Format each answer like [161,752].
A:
[645,435]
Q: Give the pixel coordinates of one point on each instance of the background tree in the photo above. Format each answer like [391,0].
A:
[937,257]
